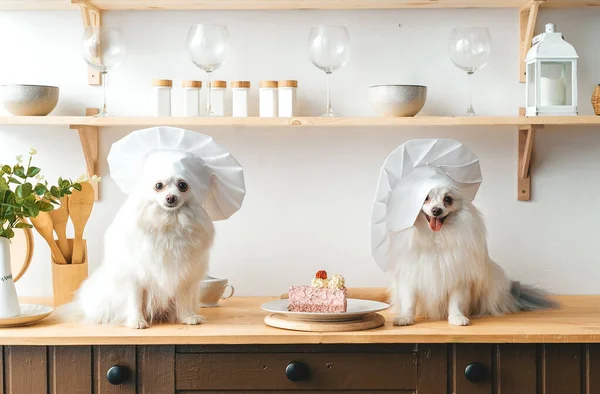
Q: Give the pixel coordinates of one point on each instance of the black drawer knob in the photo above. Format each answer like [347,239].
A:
[118,374]
[476,372]
[297,371]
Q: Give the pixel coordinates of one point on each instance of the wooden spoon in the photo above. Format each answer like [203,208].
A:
[43,224]
[80,208]
[60,218]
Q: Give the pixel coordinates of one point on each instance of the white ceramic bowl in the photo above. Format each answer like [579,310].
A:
[212,290]
[398,100]
[29,100]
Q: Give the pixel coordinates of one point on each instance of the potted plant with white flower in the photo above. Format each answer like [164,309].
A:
[23,194]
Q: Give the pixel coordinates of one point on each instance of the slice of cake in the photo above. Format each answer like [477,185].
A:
[324,295]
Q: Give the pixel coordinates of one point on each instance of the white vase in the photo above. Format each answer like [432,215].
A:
[9,303]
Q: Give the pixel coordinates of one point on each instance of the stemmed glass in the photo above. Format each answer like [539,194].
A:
[469,49]
[208,47]
[329,49]
[103,48]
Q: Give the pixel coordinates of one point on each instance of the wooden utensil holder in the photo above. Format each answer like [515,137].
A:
[596,100]
[66,278]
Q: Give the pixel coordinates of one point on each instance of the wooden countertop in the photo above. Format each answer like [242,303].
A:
[239,321]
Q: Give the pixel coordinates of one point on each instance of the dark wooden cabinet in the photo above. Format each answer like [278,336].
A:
[382,368]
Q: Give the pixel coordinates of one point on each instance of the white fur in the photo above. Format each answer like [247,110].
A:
[448,273]
[155,255]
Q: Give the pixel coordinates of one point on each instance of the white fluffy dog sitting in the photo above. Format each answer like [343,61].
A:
[157,248]
[156,253]
[444,270]
[431,240]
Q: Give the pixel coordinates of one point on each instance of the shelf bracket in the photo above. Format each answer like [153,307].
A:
[88,135]
[526,143]
[91,16]
[527,18]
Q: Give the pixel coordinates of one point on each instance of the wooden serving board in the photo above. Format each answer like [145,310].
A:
[366,322]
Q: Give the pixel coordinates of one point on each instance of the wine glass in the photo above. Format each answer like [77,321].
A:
[329,49]
[103,48]
[208,47]
[469,49]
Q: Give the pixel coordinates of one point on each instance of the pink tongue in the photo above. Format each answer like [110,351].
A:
[435,224]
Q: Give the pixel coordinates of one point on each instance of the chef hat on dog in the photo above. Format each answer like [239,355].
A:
[407,176]
[213,174]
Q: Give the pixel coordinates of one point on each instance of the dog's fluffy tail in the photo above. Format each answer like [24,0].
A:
[71,312]
[529,298]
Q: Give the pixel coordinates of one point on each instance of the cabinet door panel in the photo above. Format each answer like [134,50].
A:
[2,369]
[432,369]
[106,357]
[516,369]
[561,368]
[156,369]
[26,369]
[70,369]
[592,373]
[472,354]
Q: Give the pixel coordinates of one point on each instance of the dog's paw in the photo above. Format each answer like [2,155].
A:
[137,324]
[458,320]
[404,321]
[193,320]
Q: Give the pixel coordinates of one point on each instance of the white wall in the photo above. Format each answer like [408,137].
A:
[310,190]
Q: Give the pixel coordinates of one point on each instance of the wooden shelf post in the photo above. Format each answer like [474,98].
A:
[91,16]
[89,137]
[527,19]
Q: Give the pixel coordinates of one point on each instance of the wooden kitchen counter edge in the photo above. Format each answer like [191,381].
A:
[239,321]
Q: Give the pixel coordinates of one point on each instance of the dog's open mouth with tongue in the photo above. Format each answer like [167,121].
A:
[435,223]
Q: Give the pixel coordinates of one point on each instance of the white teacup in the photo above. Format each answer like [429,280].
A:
[212,290]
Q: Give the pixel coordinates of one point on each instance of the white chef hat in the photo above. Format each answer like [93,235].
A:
[214,174]
[407,176]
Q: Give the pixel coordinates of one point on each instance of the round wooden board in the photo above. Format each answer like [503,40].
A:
[367,322]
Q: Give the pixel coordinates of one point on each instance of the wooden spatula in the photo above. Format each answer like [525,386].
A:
[43,224]
[60,218]
[80,208]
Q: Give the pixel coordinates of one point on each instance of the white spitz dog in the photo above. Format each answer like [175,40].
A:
[156,253]
[443,269]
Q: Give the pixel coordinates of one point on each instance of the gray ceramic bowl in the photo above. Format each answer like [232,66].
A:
[398,100]
[29,100]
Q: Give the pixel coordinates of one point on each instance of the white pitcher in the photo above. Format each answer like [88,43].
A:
[9,303]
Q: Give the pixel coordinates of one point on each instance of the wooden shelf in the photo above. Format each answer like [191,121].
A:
[418,121]
[88,128]
[239,321]
[280,4]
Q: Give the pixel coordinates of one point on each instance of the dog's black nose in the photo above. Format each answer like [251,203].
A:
[171,199]
[436,211]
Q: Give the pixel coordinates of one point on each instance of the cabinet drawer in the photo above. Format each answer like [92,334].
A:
[267,371]
[305,392]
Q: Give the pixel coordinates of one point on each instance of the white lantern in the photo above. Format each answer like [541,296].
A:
[551,85]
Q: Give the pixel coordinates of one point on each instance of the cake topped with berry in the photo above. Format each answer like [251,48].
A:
[324,295]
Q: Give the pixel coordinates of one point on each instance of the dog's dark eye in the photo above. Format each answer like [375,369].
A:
[426,198]
[158,186]
[448,200]
[182,186]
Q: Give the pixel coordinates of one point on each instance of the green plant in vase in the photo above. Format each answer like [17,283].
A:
[23,194]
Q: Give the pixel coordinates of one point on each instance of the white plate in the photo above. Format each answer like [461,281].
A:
[356,309]
[30,313]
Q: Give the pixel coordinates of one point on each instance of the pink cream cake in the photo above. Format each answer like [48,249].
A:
[322,296]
